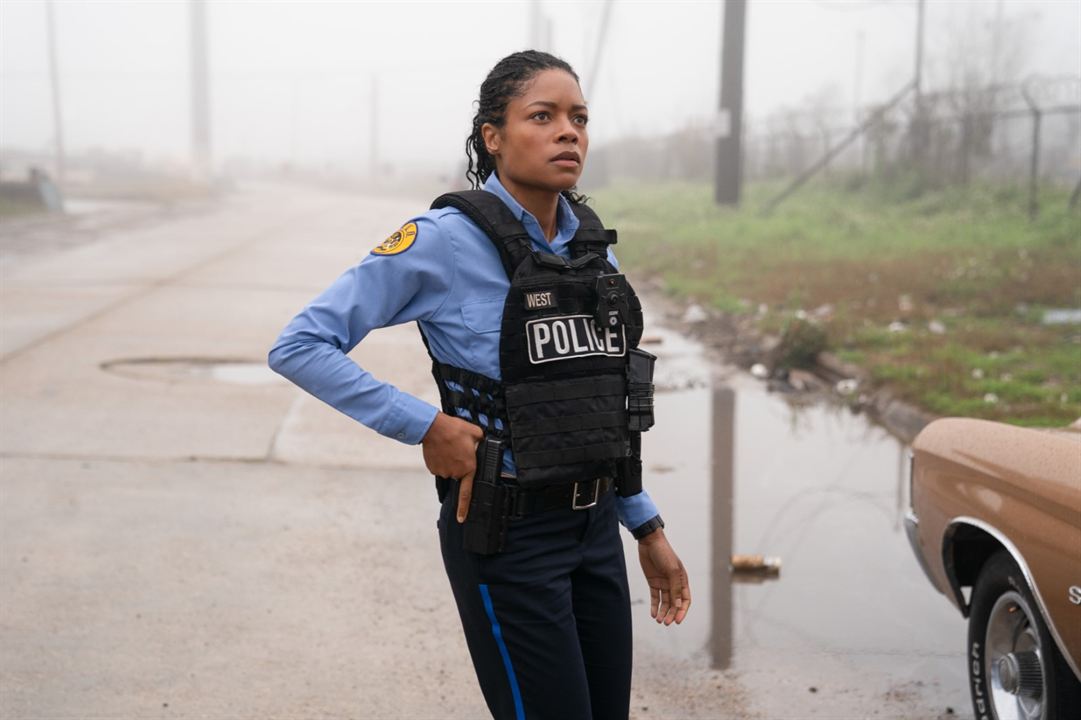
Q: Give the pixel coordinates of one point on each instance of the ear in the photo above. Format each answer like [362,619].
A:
[492,138]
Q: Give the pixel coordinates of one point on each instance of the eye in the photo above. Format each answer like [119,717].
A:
[540,115]
[581,119]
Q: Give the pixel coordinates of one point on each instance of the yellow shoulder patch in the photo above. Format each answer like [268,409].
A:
[399,242]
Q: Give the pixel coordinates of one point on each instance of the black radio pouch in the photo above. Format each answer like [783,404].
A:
[639,418]
[485,528]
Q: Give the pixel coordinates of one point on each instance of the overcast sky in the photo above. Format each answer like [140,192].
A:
[294,80]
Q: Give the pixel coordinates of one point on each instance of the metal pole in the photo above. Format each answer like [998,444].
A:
[729,171]
[996,46]
[919,129]
[200,92]
[1034,163]
[1034,174]
[294,98]
[857,98]
[606,14]
[373,156]
[535,20]
[919,51]
[54,76]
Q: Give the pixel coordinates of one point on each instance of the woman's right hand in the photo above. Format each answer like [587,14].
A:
[450,451]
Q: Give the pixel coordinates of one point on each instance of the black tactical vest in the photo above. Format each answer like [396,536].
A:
[569,328]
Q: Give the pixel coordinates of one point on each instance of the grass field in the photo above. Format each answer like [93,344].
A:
[962,275]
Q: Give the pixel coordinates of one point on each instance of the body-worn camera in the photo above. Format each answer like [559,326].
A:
[612,304]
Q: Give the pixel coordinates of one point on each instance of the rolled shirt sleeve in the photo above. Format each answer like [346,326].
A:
[380,291]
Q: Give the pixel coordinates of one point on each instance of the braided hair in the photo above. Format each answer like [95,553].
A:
[506,81]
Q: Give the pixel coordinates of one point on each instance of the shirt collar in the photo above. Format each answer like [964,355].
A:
[566,220]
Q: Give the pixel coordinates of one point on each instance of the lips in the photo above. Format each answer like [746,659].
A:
[568,155]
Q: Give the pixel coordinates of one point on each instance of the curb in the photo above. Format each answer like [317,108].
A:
[736,341]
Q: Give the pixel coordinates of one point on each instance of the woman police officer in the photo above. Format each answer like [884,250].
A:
[547,617]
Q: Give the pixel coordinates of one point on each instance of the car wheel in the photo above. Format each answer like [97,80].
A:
[1014,667]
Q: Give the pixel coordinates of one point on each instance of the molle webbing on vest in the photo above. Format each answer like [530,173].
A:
[496,220]
[480,396]
[543,414]
[592,236]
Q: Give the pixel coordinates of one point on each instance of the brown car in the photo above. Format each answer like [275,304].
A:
[996,525]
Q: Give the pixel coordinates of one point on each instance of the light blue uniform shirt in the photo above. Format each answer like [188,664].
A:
[451,281]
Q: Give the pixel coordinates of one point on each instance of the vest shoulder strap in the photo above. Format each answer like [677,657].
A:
[592,236]
[496,220]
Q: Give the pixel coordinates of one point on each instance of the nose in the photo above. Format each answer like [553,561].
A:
[568,132]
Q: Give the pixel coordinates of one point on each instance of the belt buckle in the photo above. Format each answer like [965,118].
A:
[596,491]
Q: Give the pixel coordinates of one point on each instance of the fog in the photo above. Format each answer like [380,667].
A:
[303,82]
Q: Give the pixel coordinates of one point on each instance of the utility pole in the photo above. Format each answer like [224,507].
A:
[996,47]
[857,77]
[606,15]
[728,170]
[373,142]
[919,134]
[919,52]
[536,19]
[54,76]
[857,98]
[293,107]
[200,93]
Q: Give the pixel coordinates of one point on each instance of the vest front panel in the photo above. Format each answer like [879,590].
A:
[564,373]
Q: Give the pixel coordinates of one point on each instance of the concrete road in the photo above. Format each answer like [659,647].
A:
[182,534]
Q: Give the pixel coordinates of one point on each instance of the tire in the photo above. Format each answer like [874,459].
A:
[1006,621]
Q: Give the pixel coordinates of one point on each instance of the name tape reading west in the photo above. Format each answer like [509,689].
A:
[572,336]
[540,299]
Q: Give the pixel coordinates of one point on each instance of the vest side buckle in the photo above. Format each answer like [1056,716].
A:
[579,487]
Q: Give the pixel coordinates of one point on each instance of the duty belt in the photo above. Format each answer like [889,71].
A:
[580,495]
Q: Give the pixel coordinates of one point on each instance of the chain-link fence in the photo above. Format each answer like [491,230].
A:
[998,134]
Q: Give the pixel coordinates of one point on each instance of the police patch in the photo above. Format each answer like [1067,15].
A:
[399,242]
[572,336]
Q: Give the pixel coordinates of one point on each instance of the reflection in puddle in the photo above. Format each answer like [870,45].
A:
[737,470]
[722,455]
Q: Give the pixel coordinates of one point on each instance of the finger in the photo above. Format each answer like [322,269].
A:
[686,605]
[675,597]
[465,494]
[654,601]
[662,609]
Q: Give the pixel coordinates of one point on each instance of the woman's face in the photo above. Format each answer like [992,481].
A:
[543,142]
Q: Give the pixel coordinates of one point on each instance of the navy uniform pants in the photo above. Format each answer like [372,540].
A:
[547,620]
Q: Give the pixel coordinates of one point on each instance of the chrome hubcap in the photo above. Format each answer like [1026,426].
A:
[1014,664]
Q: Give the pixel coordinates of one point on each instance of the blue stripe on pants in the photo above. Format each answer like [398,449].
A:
[519,712]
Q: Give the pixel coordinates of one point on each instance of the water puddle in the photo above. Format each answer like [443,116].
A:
[86,206]
[172,370]
[736,469]
[1062,316]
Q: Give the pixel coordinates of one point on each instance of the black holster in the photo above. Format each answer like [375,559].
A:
[485,528]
